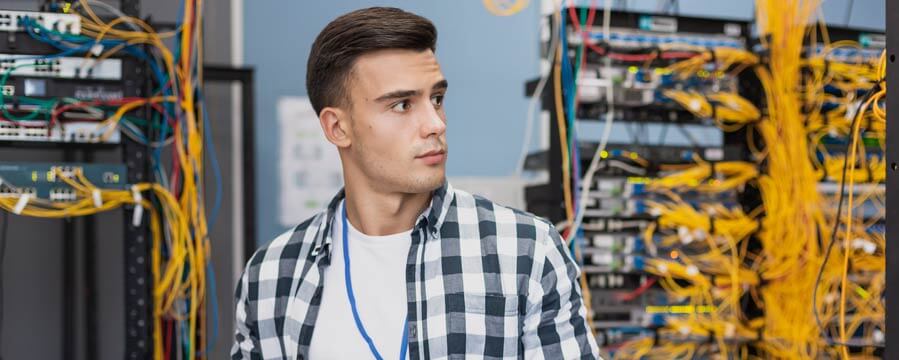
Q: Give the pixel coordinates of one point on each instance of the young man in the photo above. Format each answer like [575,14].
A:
[401,264]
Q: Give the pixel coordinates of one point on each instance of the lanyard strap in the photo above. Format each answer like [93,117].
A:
[348,281]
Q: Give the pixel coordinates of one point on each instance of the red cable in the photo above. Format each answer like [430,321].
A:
[54,114]
[168,338]
[572,14]
[631,57]
[590,18]
[592,14]
[596,49]
[176,168]
[637,292]
[585,36]
[678,55]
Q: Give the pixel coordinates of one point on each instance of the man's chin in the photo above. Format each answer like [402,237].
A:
[427,183]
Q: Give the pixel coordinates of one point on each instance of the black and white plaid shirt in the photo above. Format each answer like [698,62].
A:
[483,281]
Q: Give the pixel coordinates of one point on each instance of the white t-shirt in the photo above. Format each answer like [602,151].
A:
[378,267]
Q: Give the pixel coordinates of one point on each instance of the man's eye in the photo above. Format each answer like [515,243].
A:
[401,106]
[437,101]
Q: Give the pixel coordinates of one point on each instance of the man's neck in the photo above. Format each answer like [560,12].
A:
[377,213]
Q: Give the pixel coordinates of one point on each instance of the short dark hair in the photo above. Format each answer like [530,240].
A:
[354,34]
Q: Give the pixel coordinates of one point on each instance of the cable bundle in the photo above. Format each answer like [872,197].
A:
[765,262]
[711,177]
[724,108]
[722,57]
[183,284]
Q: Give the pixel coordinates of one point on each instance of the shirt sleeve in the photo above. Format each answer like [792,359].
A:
[246,339]
[555,325]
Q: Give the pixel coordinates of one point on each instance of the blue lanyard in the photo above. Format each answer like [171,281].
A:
[348,281]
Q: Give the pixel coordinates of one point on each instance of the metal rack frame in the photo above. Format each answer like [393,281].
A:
[892,196]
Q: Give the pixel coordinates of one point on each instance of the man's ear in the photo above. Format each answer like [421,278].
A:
[335,124]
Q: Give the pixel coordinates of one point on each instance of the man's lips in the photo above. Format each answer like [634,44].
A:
[433,157]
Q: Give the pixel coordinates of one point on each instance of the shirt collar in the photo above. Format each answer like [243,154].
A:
[441,198]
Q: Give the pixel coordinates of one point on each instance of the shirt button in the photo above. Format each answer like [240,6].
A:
[434,233]
[412,330]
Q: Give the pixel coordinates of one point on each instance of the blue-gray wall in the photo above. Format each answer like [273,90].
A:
[486,58]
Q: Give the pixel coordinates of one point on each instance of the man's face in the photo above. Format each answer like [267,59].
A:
[397,121]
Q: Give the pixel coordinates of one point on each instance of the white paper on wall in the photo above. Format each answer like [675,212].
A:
[309,166]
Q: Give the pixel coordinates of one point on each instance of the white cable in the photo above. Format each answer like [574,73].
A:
[627,167]
[97,49]
[98,200]
[138,215]
[535,98]
[130,132]
[607,131]
[115,11]
[20,205]
[606,20]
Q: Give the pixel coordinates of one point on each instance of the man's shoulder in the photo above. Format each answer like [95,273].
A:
[292,245]
[527,224]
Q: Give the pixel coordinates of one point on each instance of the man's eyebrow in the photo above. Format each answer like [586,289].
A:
[440,85]
[398,94]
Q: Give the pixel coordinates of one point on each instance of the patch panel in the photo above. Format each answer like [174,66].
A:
[599,262]
[614,334]
[619,187]
[84,132]
[640,86]
[615,207]
[850,54]
[608,280]
[618,242]
[831,188]
[49,87]
[64,23]
[637,188]
[649,38]
[42,179]
[62,194]
[656,155]
[17,191]
[631,207]
[61,67]
[616,224]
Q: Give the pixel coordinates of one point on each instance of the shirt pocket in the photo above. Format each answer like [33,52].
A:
[489,323]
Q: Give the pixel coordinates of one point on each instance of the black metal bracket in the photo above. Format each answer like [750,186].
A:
[892,196]
[138,280]
[245,77]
